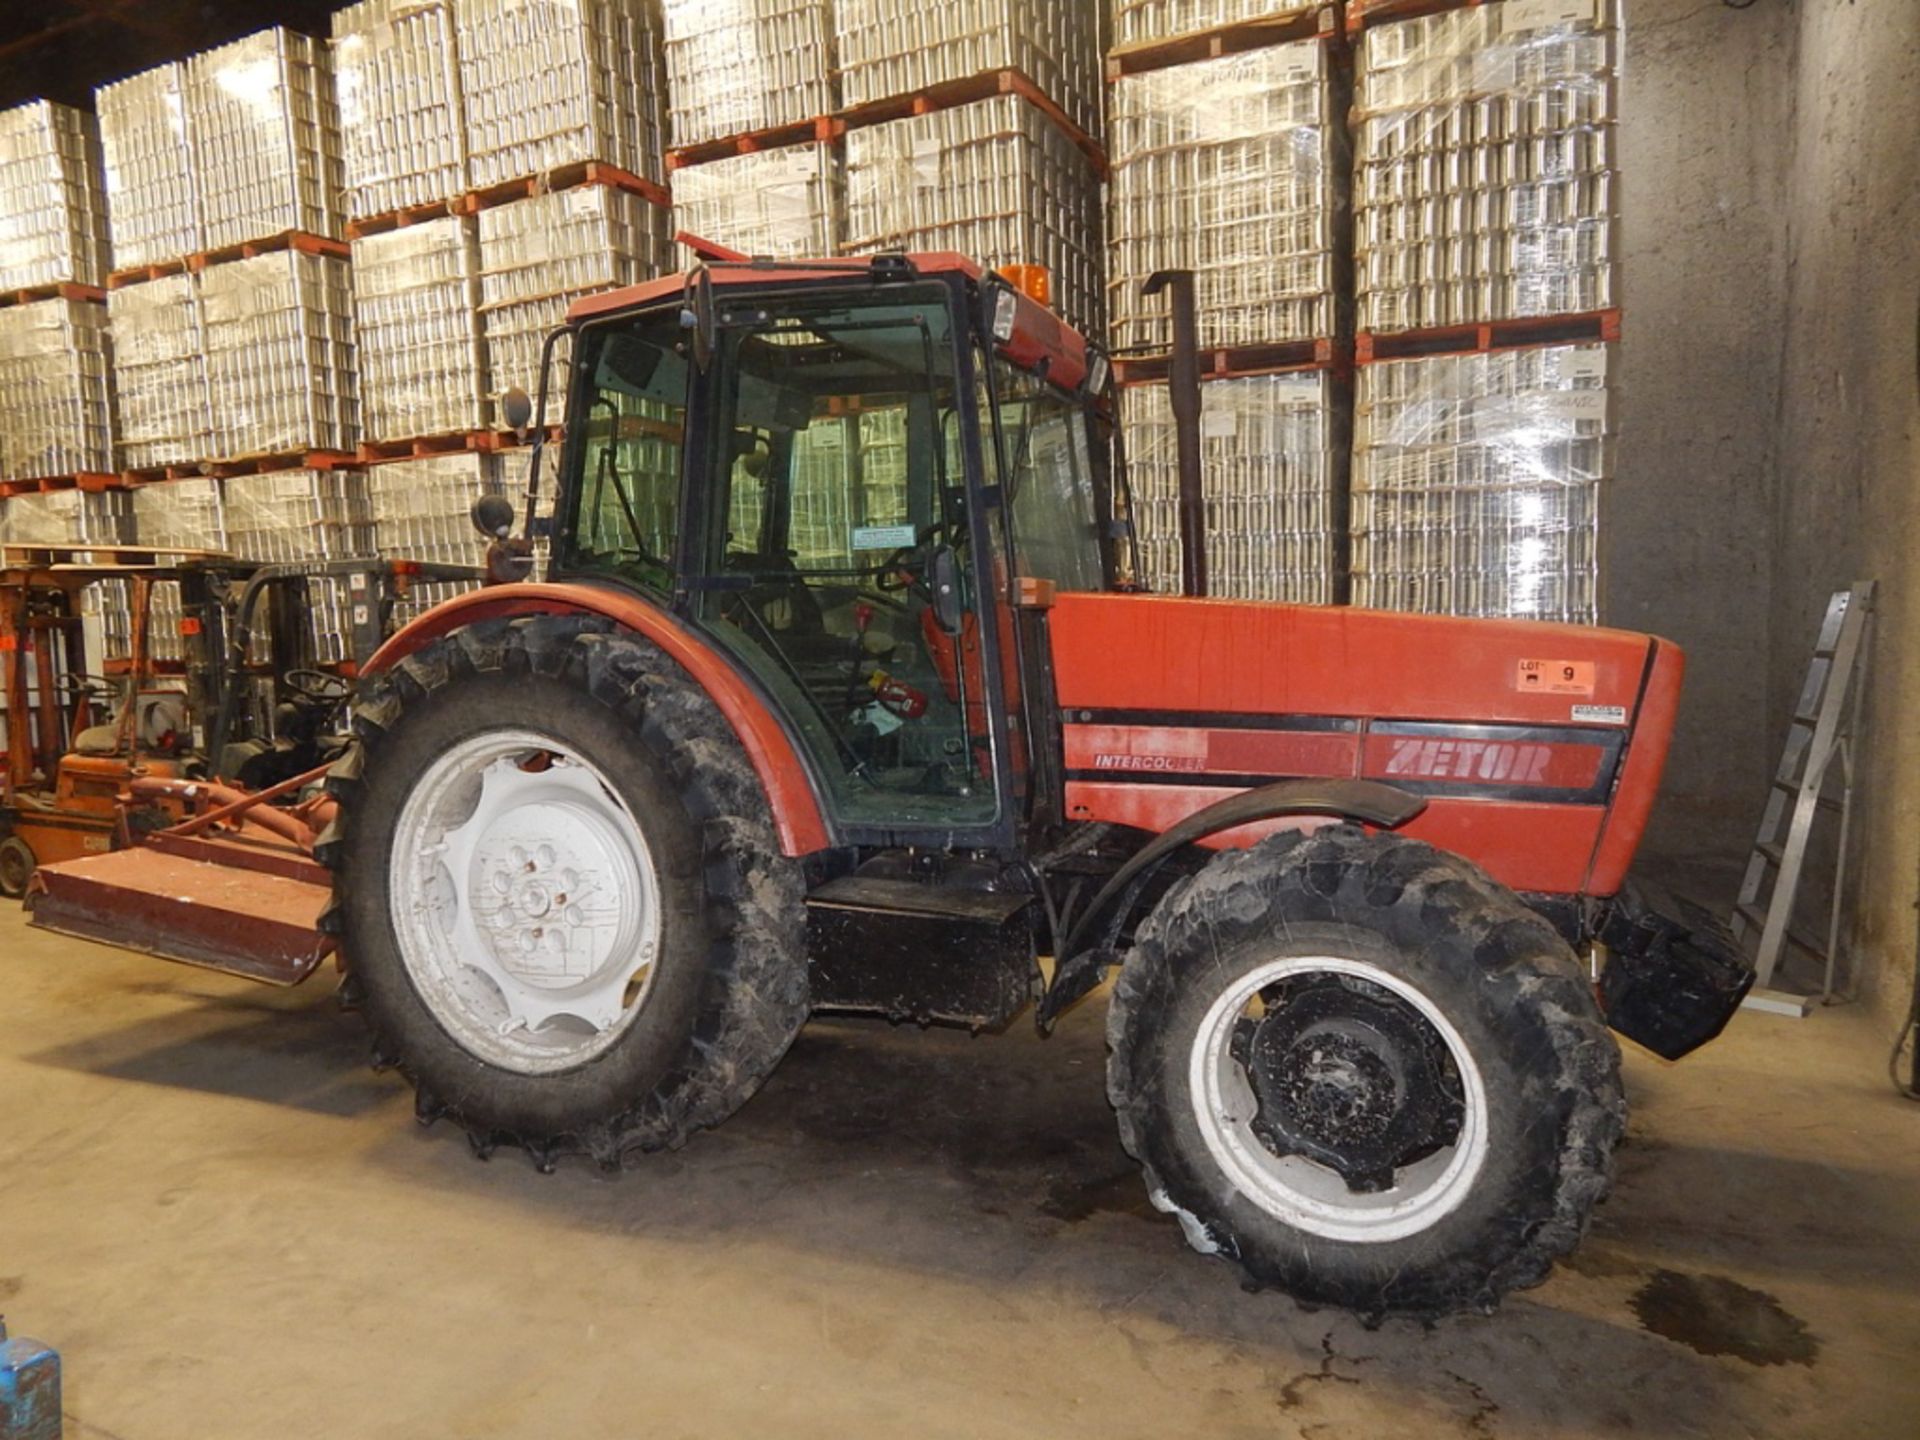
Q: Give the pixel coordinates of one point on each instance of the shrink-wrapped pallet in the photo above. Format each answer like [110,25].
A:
[786,203]
[153,210]
[735,66]
[53,215]
[1268,470]
[402,124]
[279,330]
[1477,482]
[540,254]
[898,47]
[548,83]
[161,409]
[265,133]
[995,180]
[417,330]
[1484,176]
[1231,168]
[56,411]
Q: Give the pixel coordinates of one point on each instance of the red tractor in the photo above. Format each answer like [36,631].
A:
[837,699]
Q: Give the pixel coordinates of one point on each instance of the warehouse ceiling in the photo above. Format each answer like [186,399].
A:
[62,49]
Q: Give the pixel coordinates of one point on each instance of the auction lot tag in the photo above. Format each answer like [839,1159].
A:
[1555,677]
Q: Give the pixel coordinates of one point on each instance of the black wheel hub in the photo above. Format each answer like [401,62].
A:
[1349,1075]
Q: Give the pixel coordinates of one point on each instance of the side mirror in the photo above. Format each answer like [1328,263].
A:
[943,578]
[516,408]
[493,515]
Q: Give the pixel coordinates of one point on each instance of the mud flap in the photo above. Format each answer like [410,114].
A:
[246,909]
[1674,973]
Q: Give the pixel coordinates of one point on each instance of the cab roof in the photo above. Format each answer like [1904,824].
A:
[1038,335]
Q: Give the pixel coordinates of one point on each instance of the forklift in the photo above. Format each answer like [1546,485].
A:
[94,761]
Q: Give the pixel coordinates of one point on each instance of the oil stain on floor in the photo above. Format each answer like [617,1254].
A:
[1718,1316]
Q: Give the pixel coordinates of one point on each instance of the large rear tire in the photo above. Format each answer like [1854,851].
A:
[1366,1073]
[558,891]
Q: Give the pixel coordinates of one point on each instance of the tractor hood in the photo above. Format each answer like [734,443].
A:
[1538,746]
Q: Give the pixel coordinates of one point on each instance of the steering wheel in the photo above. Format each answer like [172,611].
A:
[320,686]
[94,689]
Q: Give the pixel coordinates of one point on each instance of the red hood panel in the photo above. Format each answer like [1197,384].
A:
[1135,652]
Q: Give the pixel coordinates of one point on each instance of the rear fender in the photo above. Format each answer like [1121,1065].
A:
[796,809]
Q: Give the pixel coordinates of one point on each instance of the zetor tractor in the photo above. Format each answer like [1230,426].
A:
[837,699]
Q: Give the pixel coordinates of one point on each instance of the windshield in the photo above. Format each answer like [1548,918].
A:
[1045,466]
[623,509]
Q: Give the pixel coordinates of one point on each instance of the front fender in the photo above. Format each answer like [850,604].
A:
[797,816]
[1083,959]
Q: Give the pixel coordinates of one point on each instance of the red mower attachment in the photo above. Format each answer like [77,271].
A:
[233,887]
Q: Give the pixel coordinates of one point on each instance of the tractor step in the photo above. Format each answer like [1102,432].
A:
[909,950]
[232,906]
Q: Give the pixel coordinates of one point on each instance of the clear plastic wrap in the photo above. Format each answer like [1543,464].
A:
[550,82]
[402,126]
[1229,168]
[161,411]
[280,369]
[1267,459]
[53,215]
[293,515]
[786,203]
[67,517]
[265,133]
[739,65]
[995,180]
[538,255]
[1484,183]
[56,394]
[153,212]
[1142,22]
[417,330]
[186,514]
[896,47]
[1477,483]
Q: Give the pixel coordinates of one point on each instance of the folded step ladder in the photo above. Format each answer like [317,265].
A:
[1822,731]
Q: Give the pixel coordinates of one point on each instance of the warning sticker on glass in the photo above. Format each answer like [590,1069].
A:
[1600,714]
[1555,677]
[882,537]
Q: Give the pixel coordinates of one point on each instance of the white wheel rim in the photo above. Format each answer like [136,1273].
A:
[525,902]
[1301,1192]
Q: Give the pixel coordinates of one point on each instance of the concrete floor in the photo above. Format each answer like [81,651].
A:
[231,1228]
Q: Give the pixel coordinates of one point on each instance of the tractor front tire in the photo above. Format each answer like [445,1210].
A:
[1366,1073]
[559,894]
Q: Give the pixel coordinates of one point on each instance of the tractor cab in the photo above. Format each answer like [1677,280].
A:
[849,479]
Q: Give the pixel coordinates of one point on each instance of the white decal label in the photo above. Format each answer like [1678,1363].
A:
[882,537]
[1600,714]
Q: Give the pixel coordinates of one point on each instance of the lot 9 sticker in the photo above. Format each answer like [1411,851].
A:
[1555,677]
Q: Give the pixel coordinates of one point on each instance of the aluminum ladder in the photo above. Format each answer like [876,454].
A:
[1821,731]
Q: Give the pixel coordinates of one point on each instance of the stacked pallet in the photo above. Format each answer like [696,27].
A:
[223,186]
[302,515]
[968,127]
[1486,213]
[56,418]
[755,163]
[1229,160]
[188,514]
